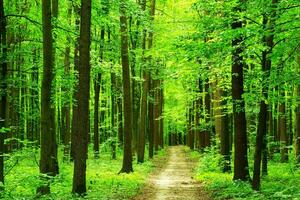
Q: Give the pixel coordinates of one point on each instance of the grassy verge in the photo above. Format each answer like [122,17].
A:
[282,182]
[103,181]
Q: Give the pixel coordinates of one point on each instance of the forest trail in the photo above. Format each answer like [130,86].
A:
[173,180]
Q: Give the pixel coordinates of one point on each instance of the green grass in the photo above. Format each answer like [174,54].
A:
[103,181]
[283,181]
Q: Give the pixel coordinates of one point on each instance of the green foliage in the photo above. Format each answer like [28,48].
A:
[103,181]
[281,183]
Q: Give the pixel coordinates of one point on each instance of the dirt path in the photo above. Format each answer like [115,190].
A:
[173,181]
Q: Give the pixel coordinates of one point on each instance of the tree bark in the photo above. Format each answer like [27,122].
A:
[261,137]
[3,87]
[66,115]
[127,156]
[144,99]
[284,139]
[297,120]
[75,93]
[81,134]
[241,170]
[48,160]
[97,85]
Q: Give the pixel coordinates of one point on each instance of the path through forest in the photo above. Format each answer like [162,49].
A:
[173,180]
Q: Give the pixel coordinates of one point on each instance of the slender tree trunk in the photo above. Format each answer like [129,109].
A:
[113,104]
[241,170]
[66,115]
[97,84]
[161,120]
[261,138]
[3,87]
[191,127]
[151,120]
[297,120]
[144,99]
[81,134]
[75,92]
[225,144]
[156,116]
[151,85]
[120,122]
[127,156]
[208,129]
[284,139]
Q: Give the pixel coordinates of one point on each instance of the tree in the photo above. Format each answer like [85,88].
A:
[81,134]
[144,99]
[3,88]
[263,113]
[48,160]
[127,156]
[297,120]
[241,171]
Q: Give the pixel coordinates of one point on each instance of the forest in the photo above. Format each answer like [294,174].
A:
[150,99]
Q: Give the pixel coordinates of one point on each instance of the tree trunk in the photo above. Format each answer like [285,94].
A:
[151,119]
[144,99]
[161,120]
[208,128]
[225,144]
[81,134]
[156,116]
[3,87]
[67,104]
[241,170]
[97,84]
[75,93]
[48,160]
[127,156]
[284,139]
[261,137]
[297,120]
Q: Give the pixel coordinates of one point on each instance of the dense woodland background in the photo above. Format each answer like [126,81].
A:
[90,88]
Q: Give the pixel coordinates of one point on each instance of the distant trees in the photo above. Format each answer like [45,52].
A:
[266,111]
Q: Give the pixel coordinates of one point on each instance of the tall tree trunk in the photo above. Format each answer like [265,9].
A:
[127,156]
[156,115]
[161,117]
[97,84]
[241,170]
[208,129]
[144,99]
[297,120]
[75,90]
[3,87]
[261,137]
[81,134]
[151,119]
[113,80]
[284,139]
[66,131]
[225,134]
[151,116]
[120,121]
[198,114]
[48,160]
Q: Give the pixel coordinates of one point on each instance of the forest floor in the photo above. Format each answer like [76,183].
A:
[173,180]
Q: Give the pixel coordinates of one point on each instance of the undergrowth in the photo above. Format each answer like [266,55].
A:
[282,181]
[103,181]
